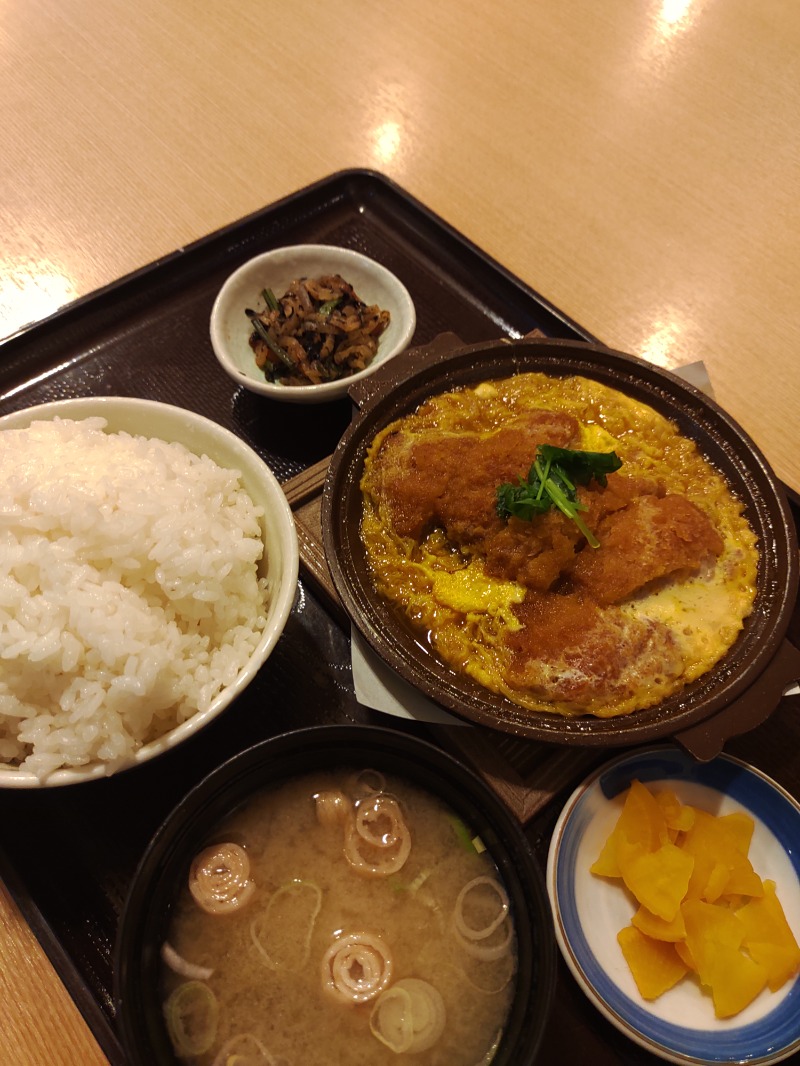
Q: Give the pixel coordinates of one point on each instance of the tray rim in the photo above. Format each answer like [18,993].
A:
[359,184]
[373,180]
[62,962]
[349,180]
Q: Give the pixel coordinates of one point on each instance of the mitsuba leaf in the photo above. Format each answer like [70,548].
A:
[523,500]
[552,481]
[581,467]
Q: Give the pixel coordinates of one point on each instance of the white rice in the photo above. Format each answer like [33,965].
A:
[129,593]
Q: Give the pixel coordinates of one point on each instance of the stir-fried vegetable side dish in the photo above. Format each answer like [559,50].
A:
[319,330]
[340,918]
[702,910]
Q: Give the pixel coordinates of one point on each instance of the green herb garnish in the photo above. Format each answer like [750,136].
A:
[552,481]
[272,344]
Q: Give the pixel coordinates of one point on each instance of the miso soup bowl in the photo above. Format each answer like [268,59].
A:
[163,869]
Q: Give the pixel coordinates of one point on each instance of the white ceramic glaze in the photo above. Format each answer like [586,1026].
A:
[680,1026]
[230,328]
[280,563]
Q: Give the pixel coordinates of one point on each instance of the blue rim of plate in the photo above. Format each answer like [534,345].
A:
[773,1031]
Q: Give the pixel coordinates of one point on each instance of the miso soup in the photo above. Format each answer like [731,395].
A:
[340,918]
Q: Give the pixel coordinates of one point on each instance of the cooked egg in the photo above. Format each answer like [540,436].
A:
[470,590]
[631,653]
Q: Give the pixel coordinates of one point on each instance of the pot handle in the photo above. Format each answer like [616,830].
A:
[390,374]
[706,739]
[412,361]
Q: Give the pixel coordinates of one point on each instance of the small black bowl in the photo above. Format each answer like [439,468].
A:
[146,915]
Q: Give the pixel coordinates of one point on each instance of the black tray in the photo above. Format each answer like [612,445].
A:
[68,855]
[147,335]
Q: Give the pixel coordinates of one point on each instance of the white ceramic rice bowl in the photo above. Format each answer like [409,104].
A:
[373,283]
[200,435]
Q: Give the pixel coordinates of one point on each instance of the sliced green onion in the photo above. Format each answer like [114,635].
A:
[409,1016]
[244,1049]
[282,934]
[191,1014]
[420,880]
[463,835]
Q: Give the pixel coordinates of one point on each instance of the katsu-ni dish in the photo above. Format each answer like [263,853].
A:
[558,541]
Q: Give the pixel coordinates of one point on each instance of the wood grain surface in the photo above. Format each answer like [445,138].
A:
[634,162]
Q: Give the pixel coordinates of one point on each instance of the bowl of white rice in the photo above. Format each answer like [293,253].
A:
[148,565]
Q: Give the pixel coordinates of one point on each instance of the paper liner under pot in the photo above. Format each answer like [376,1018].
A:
[744,687]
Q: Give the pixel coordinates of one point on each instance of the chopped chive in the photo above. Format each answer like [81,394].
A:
[273,345]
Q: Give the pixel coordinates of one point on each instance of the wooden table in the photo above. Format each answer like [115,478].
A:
[635,162]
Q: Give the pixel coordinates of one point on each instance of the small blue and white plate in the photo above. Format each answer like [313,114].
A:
[680,1025]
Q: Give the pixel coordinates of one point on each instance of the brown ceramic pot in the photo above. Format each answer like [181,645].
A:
[738,694]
